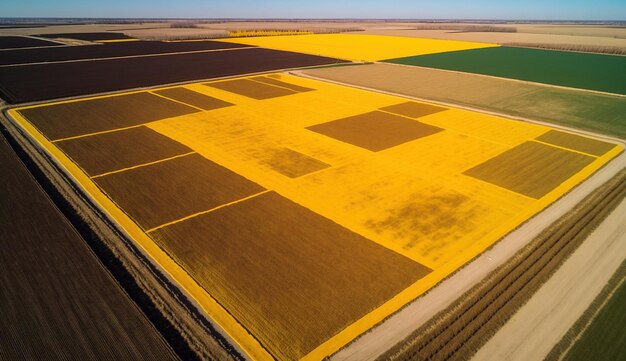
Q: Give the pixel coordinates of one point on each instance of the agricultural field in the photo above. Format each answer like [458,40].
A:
[359,47]
[298,213]
[604,73]
[34,82]
[58,301]
[16,42]
[108,50]
[98,36]
[600,113]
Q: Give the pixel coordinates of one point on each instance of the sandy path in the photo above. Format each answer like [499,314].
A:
[544,320]
[403,323]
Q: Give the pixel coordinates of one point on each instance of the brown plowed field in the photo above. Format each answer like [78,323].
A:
[531,168]
[193,98]
[576,142]
[57,300]
[109,50]
[13,42]
[413,110]
[173,189]
[73,119]
[323,275]
[59,80]
[112,151]
[375,130]
[273,81]
[251,89]
[87,36]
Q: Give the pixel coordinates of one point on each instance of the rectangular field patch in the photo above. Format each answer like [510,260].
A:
[532,169]
[576,142]
[65,120]
[107,152]
[375,130]
[293,164]
[413,109]
[251,89]
[193,98]
[293,277]
[282,84]
[164,192]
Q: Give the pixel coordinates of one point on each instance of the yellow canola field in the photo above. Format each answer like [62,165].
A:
[412,198]
[357,47]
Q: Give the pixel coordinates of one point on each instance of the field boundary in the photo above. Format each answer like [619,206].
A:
[177,316]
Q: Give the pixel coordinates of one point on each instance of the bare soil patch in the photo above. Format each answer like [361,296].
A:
[375,130]
[167,191]
[107,152]
[96,115]
[193,98]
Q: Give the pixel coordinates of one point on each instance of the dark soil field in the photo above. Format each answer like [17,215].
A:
[107,152]
[77,118]
[251,89]
[193,98]
[291,276]
[532,169]
[57,300]
[375,130]
[87,36]
[272,81]
[50,81]
[14,42]
[576,142]
[606,73]
[413,110]
[173,189]
[108,50]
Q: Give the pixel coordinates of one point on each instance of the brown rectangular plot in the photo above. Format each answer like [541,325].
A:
[292,277]
[375,130]
[576,142]
[72,119]
[531,168]
[193,98]
[163,192]
[251,89]
[273,81]
[293,164]
[413,109]
[112,151]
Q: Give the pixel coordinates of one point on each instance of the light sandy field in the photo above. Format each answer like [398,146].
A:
[506,38]
[576,108]
[358,47]
[542,322]
[397,174]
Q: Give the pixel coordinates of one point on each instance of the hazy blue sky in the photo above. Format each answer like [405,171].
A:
[444,9]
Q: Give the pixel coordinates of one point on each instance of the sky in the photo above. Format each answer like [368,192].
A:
[363,9]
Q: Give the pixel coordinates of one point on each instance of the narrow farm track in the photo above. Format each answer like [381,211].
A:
[457,332]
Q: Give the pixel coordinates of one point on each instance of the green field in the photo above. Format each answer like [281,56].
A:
[605,338]
[606,73]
